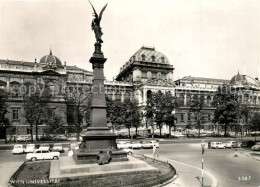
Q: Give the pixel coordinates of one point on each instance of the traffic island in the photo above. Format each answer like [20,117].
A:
[41,173]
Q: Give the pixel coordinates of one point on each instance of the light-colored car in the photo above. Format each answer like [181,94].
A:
[30,148]
[135,145]
[233,144]
[146,144]
[256,147]
[23,138]
[218,145]
[177,135]
[156,142]
[123,145]
[60,137]
[45,147]
[57,147]
[129,151]
[42,155]
[18,149]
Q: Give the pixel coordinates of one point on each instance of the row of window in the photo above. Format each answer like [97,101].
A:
[203,118]
[152,58]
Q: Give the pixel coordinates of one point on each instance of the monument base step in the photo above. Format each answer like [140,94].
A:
[66,168]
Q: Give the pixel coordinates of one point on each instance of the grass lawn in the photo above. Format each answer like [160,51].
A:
[40,171]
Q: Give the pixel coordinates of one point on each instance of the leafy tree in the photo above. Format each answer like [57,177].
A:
[226,104]
[78,108]
[3,110]
[36,107]
[54,125]
[159,108]
[197,107]
[255,122]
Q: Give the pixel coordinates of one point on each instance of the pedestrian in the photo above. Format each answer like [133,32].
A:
[155,151]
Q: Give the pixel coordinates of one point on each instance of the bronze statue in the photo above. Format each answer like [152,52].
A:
[96,24]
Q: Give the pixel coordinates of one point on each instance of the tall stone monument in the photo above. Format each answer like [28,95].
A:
[98,136]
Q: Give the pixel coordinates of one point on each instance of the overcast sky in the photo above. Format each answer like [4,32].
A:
[204,38]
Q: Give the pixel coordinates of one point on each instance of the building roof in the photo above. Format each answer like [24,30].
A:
[149,54]
[51,59]
[191,78]
[15,62]
[238,79]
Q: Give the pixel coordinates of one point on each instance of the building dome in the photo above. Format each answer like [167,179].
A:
[148,54]
[238,79]
[51,59]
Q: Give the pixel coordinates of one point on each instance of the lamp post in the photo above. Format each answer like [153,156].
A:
[203,143]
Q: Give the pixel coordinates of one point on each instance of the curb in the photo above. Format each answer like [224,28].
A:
[168,182]
[249,155]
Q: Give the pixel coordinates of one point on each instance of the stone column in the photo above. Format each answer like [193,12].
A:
[144,96]
[185,99]
[8,84]
[140,96]
[122,96]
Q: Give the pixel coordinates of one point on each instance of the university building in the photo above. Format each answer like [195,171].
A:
[145,72]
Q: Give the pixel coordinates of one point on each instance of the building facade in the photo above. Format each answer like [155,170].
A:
[146,71]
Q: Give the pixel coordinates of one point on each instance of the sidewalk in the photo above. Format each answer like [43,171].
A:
[7,170]
[188,175]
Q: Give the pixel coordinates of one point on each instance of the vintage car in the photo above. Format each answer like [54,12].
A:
[218,145]
[256,147]
[146,144]
[57,147]
[18,149]
[123,145]
[42,155]
[45,147]
[30,148]
[135,145]
[233,144]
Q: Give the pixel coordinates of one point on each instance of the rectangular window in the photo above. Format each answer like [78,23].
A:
[15,114]
[209,117]
[188,117]
[182,117]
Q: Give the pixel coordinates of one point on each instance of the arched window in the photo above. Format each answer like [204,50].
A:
[153,58]
[149,75]
[14,88]
[181,100]
[162,59]
[159,75]
[188,100]
[143,57]
[149,94]
[118,96]
[208,100]
[127,95]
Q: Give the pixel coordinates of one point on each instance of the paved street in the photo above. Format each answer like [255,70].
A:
[228,170]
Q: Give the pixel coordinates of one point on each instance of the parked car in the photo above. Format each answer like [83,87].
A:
[123,145]
[57,147]
[60,137]
[233,144]
[18,149]
[146,144]
[177,135]
[129,151]
[42,155]
[156,142]
[256,147]
[30,148]
[45,147]
[135,145]
[23,138]
[218,145]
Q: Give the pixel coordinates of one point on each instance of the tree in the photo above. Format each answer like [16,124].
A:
[197,107]
[54,125]
[36,107]
[78,108]
[125,113]
[3,110]
[116,112]
[170,104]
[226,104]
[255,123]
[159,108]
[134,115]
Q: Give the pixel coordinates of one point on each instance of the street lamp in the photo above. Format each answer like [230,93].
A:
[203,143]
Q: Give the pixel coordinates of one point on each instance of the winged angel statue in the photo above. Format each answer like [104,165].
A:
[96,23]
